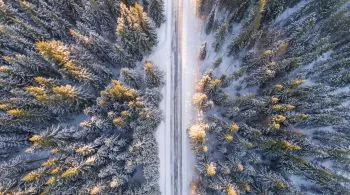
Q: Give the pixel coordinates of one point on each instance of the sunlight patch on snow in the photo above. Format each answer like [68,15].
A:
[77,119]
[290,11]
[308,83]
[346,104]
[309,132]
[343,90]
[325,56]
[299,181]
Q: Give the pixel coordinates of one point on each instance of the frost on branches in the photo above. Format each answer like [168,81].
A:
[275,108]
[78,110]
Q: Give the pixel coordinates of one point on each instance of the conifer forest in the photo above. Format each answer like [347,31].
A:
[175,97]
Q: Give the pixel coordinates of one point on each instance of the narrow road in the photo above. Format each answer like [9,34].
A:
[177,98]
[176,54]
[186,66]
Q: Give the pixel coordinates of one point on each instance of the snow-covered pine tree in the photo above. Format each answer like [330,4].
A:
[56,56]
[113,150]
[277,122]
[135,30]
[157,13]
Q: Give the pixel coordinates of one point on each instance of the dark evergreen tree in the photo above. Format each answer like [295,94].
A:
[157,11]
[275,117]
[137,34]
[58,58]
[203,51]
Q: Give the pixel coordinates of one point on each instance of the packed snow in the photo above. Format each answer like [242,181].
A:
[190,42]
[161,56]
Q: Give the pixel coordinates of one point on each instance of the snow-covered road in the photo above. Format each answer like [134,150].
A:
[162,56]
[190,42]
[176,55]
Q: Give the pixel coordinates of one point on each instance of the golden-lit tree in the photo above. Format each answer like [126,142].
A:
[197,132]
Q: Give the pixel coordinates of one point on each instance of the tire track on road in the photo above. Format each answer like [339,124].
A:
[177,96]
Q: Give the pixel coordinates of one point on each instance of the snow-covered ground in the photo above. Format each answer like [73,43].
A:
[162,57]
[290,11]
[190,42]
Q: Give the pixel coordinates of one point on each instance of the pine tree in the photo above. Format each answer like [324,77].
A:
[203,51]
[210,23]
[283,129]
[114,147]
[156,12]
[135,30]
[57,61]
